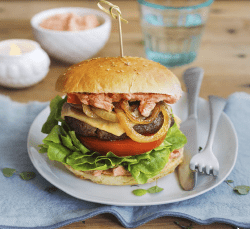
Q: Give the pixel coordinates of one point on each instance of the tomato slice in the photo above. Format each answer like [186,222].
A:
[126,147]
[73,98]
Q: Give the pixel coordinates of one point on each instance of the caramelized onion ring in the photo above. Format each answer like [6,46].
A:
[109,116]
[87,110]
[139,119]
[127,125]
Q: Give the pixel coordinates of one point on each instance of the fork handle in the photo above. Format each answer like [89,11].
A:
[193,78]
[216,105]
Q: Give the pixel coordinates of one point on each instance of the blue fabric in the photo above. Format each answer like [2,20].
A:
[25,204]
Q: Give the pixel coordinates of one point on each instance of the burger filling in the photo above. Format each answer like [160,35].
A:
[144,118]
[86,130]
[147,110]
[121,171]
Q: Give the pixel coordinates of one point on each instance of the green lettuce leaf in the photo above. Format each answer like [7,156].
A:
[55,114]
[148,168]
[43,148]
[175,138]
[62,145]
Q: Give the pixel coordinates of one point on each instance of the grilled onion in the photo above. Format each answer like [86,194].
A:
[127,125]
[109,116]
[138,118]
[87,110]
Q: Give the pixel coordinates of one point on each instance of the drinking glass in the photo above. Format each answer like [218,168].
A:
[173,29]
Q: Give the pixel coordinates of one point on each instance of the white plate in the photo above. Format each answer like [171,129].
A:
[225,148]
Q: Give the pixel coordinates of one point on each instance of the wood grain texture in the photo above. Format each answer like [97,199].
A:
[224,54]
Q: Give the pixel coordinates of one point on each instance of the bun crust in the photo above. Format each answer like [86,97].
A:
[119,75]
[126,180]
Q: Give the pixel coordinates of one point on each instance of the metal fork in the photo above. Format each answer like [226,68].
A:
[206,161]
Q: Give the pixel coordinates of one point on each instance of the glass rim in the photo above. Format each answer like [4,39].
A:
[156,6]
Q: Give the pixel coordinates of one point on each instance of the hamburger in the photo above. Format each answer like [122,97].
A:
[115,126]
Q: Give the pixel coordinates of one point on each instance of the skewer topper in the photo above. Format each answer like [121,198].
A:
[118,16]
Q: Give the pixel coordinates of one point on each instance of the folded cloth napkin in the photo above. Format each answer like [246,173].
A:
[34,204]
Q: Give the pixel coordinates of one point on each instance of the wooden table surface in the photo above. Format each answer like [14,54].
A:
[224,55]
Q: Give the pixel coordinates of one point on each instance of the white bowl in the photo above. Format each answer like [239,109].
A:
[72,46]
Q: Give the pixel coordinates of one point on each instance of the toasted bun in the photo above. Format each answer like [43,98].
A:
[126,180]
[119,75]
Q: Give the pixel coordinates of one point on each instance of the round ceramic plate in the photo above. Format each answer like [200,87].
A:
[225,148]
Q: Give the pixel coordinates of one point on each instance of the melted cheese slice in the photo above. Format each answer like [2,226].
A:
[111,127]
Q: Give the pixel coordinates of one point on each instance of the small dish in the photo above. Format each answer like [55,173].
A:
[72,46]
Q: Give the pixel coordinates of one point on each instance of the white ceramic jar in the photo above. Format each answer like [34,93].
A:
[22,69]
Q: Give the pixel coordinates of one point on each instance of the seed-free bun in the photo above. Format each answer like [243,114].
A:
[126,180]
[119,75]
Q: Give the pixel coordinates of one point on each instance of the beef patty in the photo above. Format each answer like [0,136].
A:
[86,130]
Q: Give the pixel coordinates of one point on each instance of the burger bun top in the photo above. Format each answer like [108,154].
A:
[119,75]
